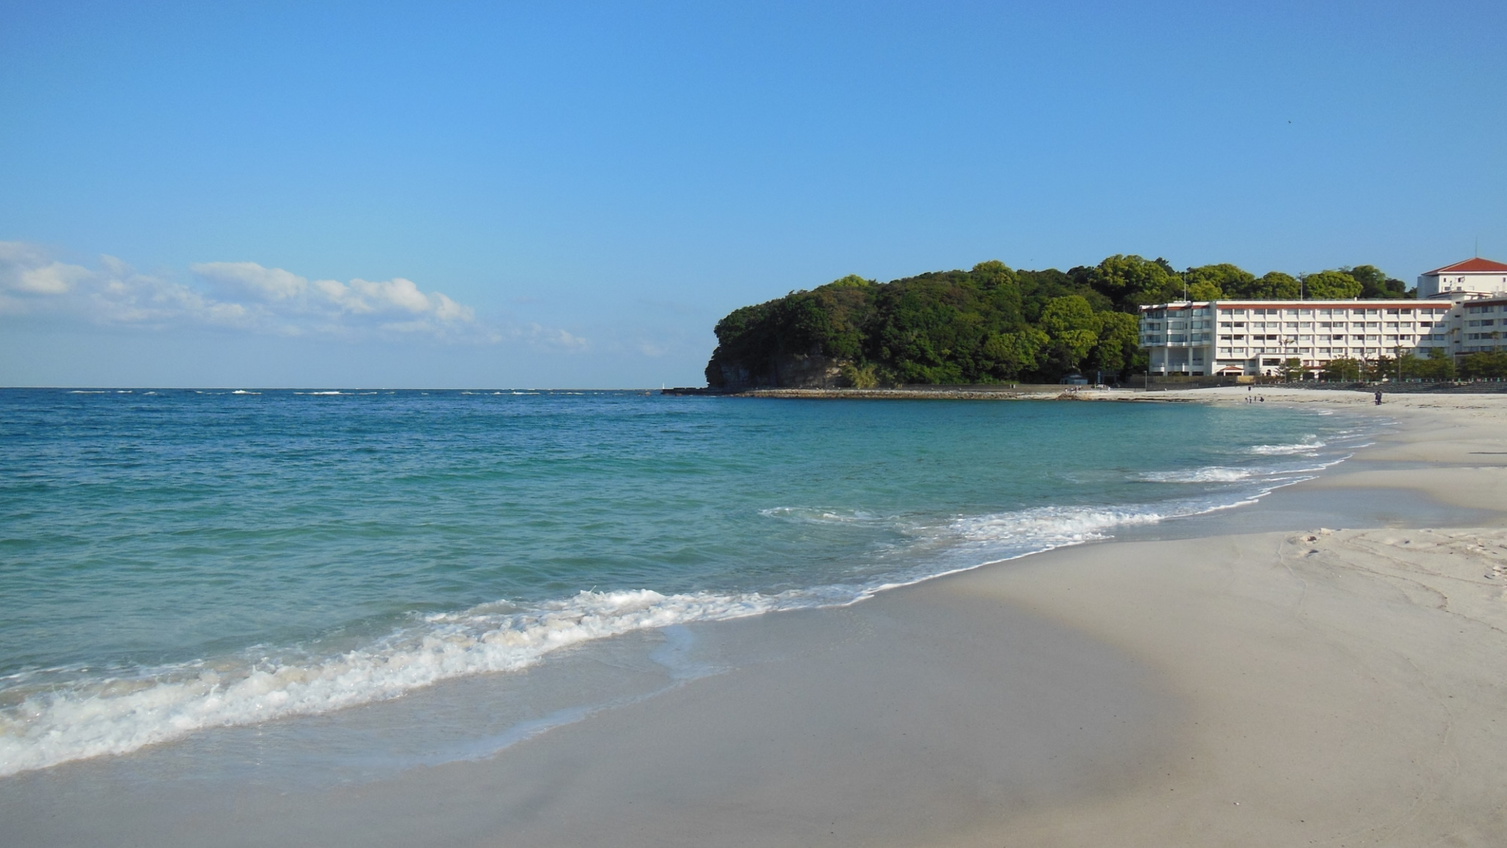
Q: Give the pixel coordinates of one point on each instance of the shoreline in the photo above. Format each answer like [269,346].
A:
[1159,393]
[1224,685]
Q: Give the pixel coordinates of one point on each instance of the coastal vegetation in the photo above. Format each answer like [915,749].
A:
[1438,366]
[990,324]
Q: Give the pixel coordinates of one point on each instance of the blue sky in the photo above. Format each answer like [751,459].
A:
[572,194]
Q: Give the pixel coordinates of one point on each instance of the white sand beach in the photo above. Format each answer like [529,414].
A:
[1337,682]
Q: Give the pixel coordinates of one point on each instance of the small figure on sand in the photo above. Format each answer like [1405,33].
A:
[1378,397]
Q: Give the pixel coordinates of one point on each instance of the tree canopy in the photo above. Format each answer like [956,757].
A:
[993,323]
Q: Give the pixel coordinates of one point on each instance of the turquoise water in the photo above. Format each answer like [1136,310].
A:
[172,560]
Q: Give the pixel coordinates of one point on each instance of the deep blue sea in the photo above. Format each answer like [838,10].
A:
[176,561]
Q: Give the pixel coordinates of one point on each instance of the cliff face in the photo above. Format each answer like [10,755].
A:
[791,371]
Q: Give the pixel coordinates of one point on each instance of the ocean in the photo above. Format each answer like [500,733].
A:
[345,583]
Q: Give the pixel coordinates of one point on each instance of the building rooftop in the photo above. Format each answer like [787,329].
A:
[1477,264]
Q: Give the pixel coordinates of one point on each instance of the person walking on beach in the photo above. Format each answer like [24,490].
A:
[1378,397]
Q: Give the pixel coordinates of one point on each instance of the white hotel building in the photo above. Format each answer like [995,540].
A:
[1461,309]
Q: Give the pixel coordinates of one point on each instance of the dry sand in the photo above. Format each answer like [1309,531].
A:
[1314,686]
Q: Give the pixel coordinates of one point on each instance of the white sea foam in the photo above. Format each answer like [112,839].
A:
[1011,535]
[115,716]
[1309,446]
[1211,474]
[817,515]
[1048,527]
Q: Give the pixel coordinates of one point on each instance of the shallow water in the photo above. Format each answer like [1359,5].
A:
[175,561]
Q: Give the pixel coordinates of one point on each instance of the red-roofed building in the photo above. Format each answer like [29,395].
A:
[1464,280]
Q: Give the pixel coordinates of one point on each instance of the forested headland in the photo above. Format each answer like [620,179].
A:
[991,324]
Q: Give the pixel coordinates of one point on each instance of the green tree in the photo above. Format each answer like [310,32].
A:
[1216,282]
[930,329]
[1037,288]
[1072,328]
[1273,285]
[1343,369]
[1000,289]
[852,281]
[1331,285]
[848,307]
[860,376]
[1388,367]
[1484,366]
[1375,284]
[1119,343]
[1438,366]
[1133,281]
[992,274]
[1008,355]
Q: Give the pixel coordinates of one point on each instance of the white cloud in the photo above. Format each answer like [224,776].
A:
[556,339]
[396,293]
[55,278]
[26,270]
[246,296]
[290,292]
[32,282]
[249,278]
[448,310]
